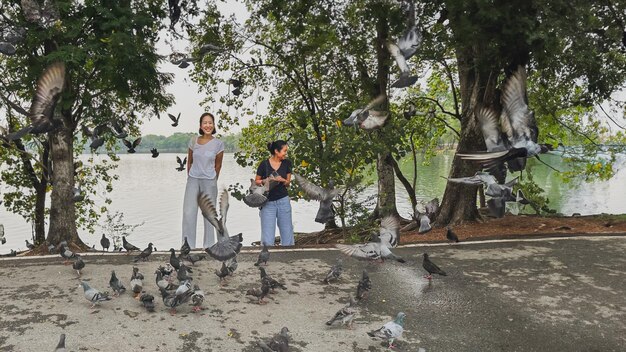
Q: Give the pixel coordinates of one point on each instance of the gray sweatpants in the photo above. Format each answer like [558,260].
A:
[190,210]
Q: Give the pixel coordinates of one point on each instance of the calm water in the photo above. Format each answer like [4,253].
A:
[151,191]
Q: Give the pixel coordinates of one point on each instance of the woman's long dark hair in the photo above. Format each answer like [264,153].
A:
[212,118]
[276,145]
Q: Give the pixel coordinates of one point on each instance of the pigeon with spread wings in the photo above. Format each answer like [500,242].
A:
[325,196]
[226,247]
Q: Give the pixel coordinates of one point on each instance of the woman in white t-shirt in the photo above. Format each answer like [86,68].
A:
[204,162]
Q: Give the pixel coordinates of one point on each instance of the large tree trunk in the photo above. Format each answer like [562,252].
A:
[62,209]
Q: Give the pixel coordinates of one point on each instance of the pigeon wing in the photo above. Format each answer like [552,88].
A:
[209,212]
[389,232]
[49,87]
[312,190]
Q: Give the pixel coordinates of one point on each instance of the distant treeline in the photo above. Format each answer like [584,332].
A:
[176,143]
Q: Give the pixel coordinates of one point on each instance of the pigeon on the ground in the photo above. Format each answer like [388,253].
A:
[174,119]
[148,301]
[174,299]
[163,283]
[195,257]
[136,282]
[127,246]
[185,248]
[174,261]
[197,298]
[29,245]
[264,256]
[131,146]
[364,286]
[155,152]
[431,268]
[181,163]
[373,250]
[260,293]
[451,236]
[105,243]
[271,281]
[116,285]
[181,273]
[222,273]
[231,265]
[226,247]
[424,222]
[391,330]
[144,254]
[61,344]
[345,315]
[78,264]
[67,254]
[52,249]
[279,343]
[94,296]
[49,88]
[325,196]
[334,272]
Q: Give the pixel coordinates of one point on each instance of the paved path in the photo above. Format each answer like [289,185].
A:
[540,295]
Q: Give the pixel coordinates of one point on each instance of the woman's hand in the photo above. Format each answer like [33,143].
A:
[279,179]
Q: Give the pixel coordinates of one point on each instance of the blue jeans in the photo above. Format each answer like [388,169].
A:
[194,187]
[273,212]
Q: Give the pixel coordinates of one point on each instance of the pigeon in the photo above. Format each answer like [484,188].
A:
[185,248]
[144,254]
[231,265]
[174,118]
[78,264]
[197,298]
[127,246]
[391,330]
[518,124]
[61,344]
[334,272]
[272,282]
[131,146]
[424,222]
[148,301]
[67,254]
[116,284]
[364,286]
[493,188]
[373,250]
[7,48]
[94,296]
[193,258]
[96,136]
[136,282]
[431,267]
[359,117]
[236,83]
[49,88]
[174,261]
[3,239]
[264,256]
[181,163]
[174,9]
[154,152]
[260,293]
[257,195]
[117,130]
[345,315]
[496,206]
[375,119]
[226,247]
[181,274]
[389,232]
[51,249]
[105,243]
[173,299]
[222,273]
[451,236]
[280,342]
[405,79]
[162,282]
[30,245]
[325,212]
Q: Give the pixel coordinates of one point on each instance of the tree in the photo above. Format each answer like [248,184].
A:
[109,52]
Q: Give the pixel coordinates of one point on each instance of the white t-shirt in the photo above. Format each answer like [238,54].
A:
[203,165]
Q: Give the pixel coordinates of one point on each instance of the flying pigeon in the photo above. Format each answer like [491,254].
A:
[389,231]
[334,272]
[155,152]
[366,118]
[148,301]
[105,243]
[391,330]
[280,342]
[181,163]
[264,256]
[431,267]
[116,284]
[257,195]
[144,254]
[94,296]
[405,79]
[49,88]
[364,286]
[325,196]
[174,118]
[226,247]
[373,250]
[131,146]
[345,315]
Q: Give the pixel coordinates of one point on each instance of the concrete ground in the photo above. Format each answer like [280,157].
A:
[561,294]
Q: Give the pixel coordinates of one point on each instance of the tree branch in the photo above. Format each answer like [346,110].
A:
[454,96]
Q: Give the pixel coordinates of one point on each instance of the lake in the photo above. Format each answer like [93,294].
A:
[151,191]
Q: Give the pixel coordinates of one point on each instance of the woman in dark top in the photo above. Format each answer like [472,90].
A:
[277,210]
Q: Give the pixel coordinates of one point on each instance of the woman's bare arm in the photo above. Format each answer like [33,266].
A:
[189,159]
[218,164]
